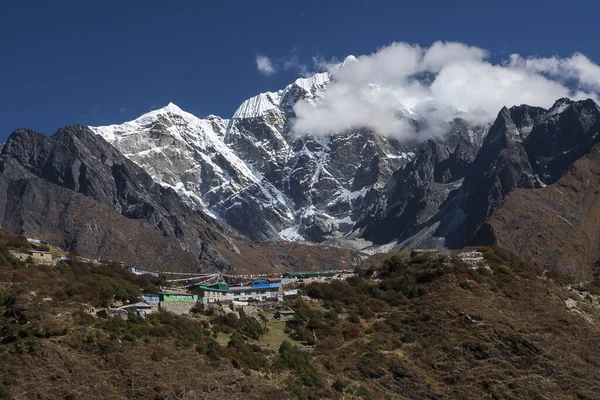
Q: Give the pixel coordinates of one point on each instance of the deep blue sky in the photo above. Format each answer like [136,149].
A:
[101,62]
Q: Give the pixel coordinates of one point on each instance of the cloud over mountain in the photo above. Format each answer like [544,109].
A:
[264,65]
[434,85]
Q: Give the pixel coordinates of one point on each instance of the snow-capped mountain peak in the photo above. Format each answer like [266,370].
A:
[258,105]
[313,83]
[250,172]
[172,108]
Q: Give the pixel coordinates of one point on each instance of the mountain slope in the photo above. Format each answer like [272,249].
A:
[526,147]
[253,173]
[556,226]
[77,191]
[425,327]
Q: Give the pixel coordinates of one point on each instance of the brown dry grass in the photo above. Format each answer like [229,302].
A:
[466,335]
[557,226]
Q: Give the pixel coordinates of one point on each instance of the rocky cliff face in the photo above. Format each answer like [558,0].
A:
[251,172]
[76,189]
[526,147]
[415,193]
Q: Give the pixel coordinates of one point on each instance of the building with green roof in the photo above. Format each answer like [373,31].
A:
[212,293]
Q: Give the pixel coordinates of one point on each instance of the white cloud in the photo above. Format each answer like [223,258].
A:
[577,68]
[264,65]
[434,85]
[440,54]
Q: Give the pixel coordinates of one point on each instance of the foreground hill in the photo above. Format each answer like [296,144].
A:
[426,327]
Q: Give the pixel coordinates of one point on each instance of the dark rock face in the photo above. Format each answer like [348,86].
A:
[501,165]
[80,191]
[569,133]
[527,147]
[415,193]
[446,193]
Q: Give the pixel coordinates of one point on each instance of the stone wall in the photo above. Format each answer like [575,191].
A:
[176,307]
[35,257]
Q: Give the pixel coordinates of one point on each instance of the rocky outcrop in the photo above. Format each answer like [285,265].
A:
[415,193]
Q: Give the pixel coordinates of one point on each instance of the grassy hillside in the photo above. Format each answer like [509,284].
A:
[421,327]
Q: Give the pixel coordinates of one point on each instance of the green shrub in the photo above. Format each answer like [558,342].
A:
[210,348]
[250,356]
[353,317]
[339,385]
[293,358]
[297,391]
[4,392]
[250,327]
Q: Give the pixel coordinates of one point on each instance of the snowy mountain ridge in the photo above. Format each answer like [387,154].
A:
[352,188]
[253,173]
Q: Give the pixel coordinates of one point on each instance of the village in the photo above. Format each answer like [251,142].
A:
[224,293]
[234,292]
[221,292]
[185,290]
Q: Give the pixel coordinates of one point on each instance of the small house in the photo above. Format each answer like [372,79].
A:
[151,298]
[430,252]
[311,274]
[177,297]
[40,257]
[284,314]
[141,309]
[43,257]
[212,293]
[141,271]
[259,290]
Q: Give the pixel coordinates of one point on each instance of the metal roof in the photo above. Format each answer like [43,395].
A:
[311,273]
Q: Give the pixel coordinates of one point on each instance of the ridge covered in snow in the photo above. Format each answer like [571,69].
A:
[258,105]
[251,172]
